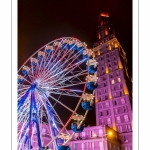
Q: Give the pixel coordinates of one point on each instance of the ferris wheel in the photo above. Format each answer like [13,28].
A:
[53,84]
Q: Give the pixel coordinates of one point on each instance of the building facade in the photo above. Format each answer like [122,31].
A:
[113,97]
[96,138]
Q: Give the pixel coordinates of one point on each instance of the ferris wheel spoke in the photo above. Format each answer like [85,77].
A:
[44,104]
[54,65]
[68,85]
[55,113]
[57,59]
[71,68]
[61,103]
[48,119]
[22,100]
[66,61]
[67,71]
[22,115]
[61,80]
[65,92]
[55,53]
[70,78]
[50,61]
[58,102]
[58,63]
[29,75]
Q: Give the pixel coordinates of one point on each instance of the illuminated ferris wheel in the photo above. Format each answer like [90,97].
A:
[52,84]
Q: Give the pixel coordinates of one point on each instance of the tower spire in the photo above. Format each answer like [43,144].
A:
[105,27]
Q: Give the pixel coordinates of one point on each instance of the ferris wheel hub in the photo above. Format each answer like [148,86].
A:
[33,86]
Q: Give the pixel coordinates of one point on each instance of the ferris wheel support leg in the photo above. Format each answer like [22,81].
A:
[26,138]
[21,102]
[38,134]
[30,126]
[37,123]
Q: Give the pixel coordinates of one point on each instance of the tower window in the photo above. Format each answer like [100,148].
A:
[114,52]
[117,73]
[119,80]
[106,97]
[127,148]
[113,88]
[128,128]
[82,145]
[115,102]
[108,112]
[120,128]
[118,119]
[107,55]
[100,132]
[101,122]
[100,99]
[108,120]
[100,106]
[99,92]
[126,118]
[107,104]
[121,93]
[101,113]
[104,78]
[125,138]
[115,63]
[124,109]
[112,81]
[122,100]
[111,76]
[117,111]
[114,94]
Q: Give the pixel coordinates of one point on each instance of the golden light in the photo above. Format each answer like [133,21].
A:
[96,100]
[93,54]
[115,44]
[119,80]
[106,31]
[99,36]
[110,133]
[110,96]
[120,64]
[94,135]
[126,92]
[99,52]
[114,126]
[104,14]
[109,47]
[107,71]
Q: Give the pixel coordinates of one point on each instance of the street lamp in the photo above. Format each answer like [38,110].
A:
[110,133]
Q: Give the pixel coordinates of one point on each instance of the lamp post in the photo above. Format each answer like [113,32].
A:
[110,133]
